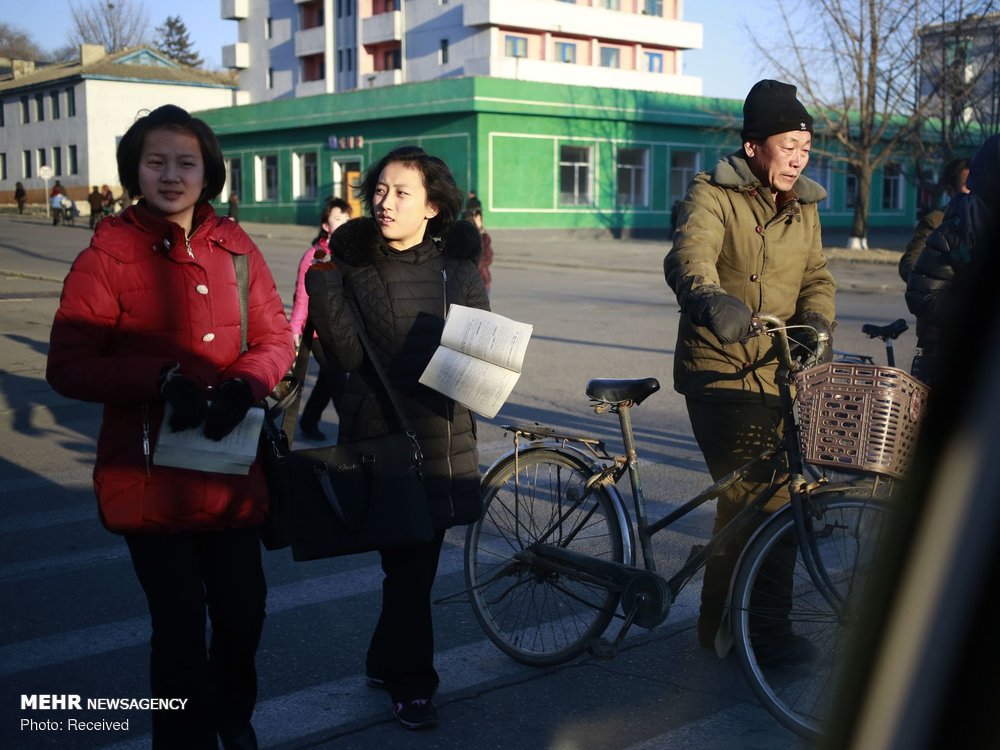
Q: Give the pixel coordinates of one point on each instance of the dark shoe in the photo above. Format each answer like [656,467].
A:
[375,682]
[311,433]
[416,714]
[783,649]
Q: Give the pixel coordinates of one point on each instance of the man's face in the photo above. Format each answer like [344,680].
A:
[779,160]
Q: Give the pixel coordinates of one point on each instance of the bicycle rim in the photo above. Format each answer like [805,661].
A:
[535,615]
[789,639]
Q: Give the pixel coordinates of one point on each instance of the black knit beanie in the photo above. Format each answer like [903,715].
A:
[771,107]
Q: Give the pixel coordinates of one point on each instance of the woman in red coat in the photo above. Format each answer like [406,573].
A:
[149,316]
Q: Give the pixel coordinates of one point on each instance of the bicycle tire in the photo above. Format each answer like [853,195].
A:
[847,533]
[538,617]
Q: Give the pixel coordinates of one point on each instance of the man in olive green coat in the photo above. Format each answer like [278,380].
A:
[747,241]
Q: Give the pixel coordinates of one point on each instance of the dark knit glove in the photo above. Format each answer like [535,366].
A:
[231,403]
[724,315]
[808,338]
[186,398]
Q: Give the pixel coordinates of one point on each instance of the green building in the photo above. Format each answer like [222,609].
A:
[539,156]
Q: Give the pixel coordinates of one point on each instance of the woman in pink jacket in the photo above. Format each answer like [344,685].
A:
[149,316]
[331,381]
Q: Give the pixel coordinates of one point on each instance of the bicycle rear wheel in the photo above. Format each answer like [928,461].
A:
[535,615]
[790,639]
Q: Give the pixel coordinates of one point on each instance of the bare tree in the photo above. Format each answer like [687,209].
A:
[857,64]
[116,25]
[15,43]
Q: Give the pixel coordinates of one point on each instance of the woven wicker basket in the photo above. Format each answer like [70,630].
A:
[859,417]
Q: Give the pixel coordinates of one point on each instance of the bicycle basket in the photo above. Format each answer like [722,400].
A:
[859,417]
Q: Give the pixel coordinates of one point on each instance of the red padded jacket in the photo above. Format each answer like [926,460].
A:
[142,297]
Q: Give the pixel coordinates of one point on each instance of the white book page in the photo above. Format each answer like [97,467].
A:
[486,335]
[190,449]
[478,385]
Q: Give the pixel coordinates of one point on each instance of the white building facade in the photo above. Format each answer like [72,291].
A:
[295,48]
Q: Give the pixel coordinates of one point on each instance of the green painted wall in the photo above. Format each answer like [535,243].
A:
[503,138]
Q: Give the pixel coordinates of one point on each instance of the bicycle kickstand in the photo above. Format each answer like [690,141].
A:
[602,648]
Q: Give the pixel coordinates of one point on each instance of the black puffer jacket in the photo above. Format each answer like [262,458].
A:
[401,299]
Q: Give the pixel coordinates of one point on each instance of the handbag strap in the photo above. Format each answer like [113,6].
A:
[242,268]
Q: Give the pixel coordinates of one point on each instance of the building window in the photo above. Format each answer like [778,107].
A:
[392,59]
[54,99]
[632,170]
[892,187]
[314,67]
[70,103]
[57,160]
[40,107]
[266,178]
[851,188]
[73,167]
[26,171]
[654,62]
[305,176]
[340,60]
[42,157]
[611,4]
[234,183]
[653,7]
[3,166]
[610,57]
[443,52]
[268,28]
[25,110]
[2,116]
[515,46]
[574,176]
[350,59]
[820,170]
[311,14]
[566,52]
[684,166]
[269,83]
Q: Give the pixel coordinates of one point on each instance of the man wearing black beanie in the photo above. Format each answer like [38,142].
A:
[747,241]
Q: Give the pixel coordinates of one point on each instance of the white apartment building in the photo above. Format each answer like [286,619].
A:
[69,117]
[296,48]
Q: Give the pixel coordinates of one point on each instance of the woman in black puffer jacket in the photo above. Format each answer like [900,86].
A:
[947,268]
[399,271]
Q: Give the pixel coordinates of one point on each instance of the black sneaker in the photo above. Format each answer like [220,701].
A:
[312,433]
[416,714]
[783,650]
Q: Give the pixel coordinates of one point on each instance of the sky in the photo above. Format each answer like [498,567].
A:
[721,63]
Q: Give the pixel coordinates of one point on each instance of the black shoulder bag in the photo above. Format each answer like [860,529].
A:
[343,499]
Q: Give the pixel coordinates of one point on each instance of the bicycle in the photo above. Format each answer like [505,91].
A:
[553,558]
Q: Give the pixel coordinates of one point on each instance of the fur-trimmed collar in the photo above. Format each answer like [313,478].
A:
[359,242]
[734,173]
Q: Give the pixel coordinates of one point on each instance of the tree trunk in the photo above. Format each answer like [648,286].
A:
[859,226]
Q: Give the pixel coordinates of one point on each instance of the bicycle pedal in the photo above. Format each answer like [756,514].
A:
[601,648]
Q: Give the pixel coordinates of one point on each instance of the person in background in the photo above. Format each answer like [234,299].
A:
[149,318]
[747,240]
[486,259]
[398,272]
[473,203]
[953,179]
[234,207]
[57,188]
[59,203]
[945,271]
[96,202]
[108,204]
[330,381]
[20,196]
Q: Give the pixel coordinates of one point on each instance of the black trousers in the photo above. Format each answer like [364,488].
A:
[330,385]
[401,651]
[184,575]
[730,430]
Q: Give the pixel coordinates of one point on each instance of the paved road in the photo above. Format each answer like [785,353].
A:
[75,618]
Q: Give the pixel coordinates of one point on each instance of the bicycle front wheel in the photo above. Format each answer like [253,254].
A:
[789,634]
[533,614]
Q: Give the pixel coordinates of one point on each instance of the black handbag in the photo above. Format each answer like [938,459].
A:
[344,499]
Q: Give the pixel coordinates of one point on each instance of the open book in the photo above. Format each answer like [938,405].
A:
[190,449]
[479,359]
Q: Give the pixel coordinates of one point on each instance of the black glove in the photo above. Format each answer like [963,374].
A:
[808,338]
[724,315]
[187,399]
[231,403]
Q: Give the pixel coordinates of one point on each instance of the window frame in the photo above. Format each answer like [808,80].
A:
[638,177]
[582,176]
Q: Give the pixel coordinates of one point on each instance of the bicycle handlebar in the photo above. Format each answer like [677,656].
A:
[772,325]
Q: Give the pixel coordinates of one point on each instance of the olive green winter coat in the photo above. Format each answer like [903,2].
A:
[732,235]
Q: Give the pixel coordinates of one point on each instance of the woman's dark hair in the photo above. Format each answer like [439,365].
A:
[442,192]
[170,117]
